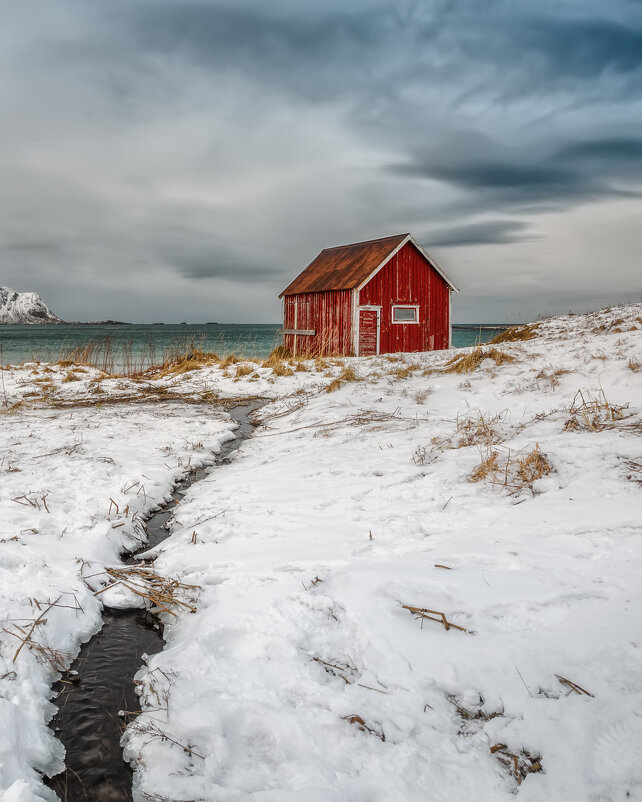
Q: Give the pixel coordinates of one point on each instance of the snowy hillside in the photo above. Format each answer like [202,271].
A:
[418,580]
[24,307]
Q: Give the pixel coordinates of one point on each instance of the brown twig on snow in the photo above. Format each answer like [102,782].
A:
[520,765]
[37,622]
[433,615]
[574,686]
[361,725]
[155,733]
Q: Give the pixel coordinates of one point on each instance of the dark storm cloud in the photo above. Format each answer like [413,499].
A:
[497,176]
[581,48]
[517,50]
[341,48]
[617,151]
[488,232]
[510,178]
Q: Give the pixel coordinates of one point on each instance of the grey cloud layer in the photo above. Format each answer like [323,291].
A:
[221,144]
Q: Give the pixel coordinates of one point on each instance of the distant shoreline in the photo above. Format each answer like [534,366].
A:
[475,326]
[97,323]
[486,326]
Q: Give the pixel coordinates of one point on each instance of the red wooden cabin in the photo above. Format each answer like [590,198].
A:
[374,297]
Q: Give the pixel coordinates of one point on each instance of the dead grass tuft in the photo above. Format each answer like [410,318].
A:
[488,466]
[633,365]
[279,367]
[516,334]
[335,384]
[479,429]
[473,430]
[70,377]
[279,353]
[403,370]
[347,375]
[532,467]
[243,370]
[422,395]
[230,359]
[552,375]
[593,414]
[513,472]
[466,363]
[163,594]
[179,362]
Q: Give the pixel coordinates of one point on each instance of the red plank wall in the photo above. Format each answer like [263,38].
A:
[328,313]
[408,279]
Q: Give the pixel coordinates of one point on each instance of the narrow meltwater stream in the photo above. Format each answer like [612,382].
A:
[99,685]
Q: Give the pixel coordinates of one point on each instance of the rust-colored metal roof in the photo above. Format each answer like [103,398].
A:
[344,267]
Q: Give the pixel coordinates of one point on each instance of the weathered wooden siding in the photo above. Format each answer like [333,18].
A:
[408,279]
[328,313]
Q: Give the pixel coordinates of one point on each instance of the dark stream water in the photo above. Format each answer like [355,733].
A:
[97,698]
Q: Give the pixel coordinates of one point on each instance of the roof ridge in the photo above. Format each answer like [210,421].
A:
[367,241]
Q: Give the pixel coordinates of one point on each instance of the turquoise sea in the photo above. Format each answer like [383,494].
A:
[137,346]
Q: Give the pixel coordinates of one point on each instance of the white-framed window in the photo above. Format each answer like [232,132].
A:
[405,313]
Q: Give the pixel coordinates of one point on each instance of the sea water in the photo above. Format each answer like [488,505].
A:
[139,345]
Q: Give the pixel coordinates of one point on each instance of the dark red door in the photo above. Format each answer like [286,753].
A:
[368,332]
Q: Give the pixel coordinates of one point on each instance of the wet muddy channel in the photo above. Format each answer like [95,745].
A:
[96,698]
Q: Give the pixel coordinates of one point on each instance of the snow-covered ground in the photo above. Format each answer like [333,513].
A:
[302,675]
[59,472]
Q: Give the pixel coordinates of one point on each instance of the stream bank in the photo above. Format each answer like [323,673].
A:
[96,698]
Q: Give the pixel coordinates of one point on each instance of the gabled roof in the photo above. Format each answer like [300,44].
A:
[348,267]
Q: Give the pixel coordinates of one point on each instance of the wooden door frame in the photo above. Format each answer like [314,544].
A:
[368,308]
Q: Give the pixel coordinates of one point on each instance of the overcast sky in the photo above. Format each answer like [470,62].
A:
[169,160]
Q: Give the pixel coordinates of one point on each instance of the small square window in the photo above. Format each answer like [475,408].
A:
[404,314]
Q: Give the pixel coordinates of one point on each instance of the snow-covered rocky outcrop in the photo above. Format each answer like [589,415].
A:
[24,307]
